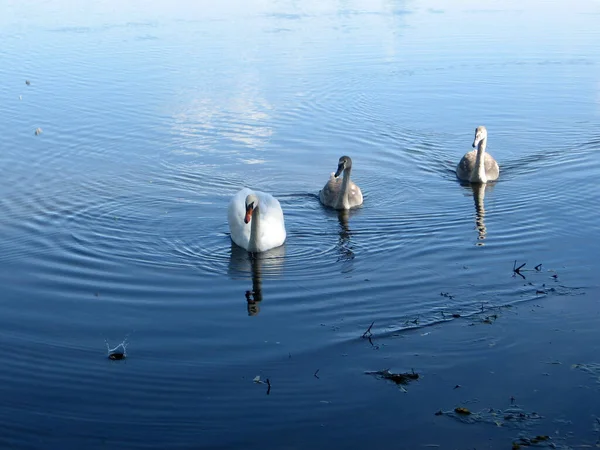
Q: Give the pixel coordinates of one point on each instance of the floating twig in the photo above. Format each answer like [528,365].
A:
[368,334]
[268,387]
[315,374]
[538,267]
[517,270]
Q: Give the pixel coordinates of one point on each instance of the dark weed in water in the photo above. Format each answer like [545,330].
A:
[398,378]
[528,442]
[510,417]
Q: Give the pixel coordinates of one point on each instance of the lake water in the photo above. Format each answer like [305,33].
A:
[152,115]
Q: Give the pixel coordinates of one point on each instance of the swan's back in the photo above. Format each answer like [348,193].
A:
[466,166]
[272,226]
[333,189]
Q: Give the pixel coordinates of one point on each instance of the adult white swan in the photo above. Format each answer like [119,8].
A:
[256,221]
[477,166]
[341,193]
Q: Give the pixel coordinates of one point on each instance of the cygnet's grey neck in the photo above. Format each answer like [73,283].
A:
[342,200]
[479,174]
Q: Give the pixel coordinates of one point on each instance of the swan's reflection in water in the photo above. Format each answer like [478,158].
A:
[479,191]
[345,248]
[255,266]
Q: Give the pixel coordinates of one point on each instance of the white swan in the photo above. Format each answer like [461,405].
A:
[341,193]
[256,221]
[477,166]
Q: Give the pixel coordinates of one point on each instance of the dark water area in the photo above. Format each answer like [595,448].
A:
[152,116]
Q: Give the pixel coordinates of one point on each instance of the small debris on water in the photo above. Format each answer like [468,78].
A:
[513,417]
[257,380]
[591,368]
[527,442]
[367,334]
[398,378]
[119,352]
[38,131]
[27,82]
[489,319]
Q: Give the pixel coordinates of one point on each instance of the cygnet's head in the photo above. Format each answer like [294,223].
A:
[343,164]
[480,135]
[251,205]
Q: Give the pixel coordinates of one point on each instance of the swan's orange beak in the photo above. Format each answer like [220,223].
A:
[249,211]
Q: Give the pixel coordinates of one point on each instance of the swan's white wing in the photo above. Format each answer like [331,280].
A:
[272,224]
[240,232]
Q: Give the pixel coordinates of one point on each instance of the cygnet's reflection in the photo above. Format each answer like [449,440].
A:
[346,253]
[479,190]
[243,263]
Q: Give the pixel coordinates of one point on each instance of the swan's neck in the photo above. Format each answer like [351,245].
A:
[478,175]
[254,230]
[342,200]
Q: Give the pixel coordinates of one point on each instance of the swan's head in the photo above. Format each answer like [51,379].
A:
[344,163]
[480,135]
[251,205]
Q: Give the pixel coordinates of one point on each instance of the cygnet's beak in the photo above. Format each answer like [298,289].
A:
[339,170]
[476,141]
[249,211]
